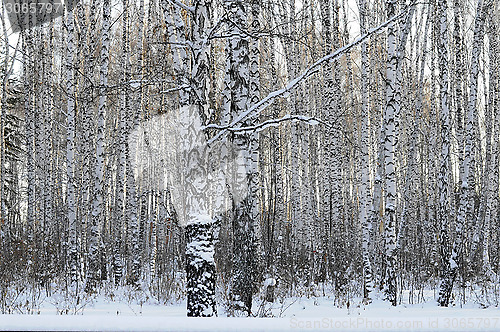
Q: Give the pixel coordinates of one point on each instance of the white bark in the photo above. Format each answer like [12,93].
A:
[457,247]
[492,130]
[389,158]
[444,172]
[364,189]
[200,265]
[98,172]
[70,153]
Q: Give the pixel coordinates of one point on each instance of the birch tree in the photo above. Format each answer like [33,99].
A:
[492,143]
[70,154]
[364,192]
[450,274]
[97,203]
[389,159]
[444,172]
[245,168]
[200,266]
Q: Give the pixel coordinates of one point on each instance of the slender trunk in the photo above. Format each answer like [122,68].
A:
[70,154]
[97,218]
[444,171]
[492,130]
[245,211]
[457,248]
[364,191]
[389,159]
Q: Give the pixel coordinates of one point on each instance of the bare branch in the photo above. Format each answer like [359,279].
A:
[315,67]
[270,123]
[178,88]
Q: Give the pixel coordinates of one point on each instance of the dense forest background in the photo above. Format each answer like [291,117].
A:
[366,135]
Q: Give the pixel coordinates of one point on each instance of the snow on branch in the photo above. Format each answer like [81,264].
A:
[315,67]
[178,88]
[269,123]
[183,6]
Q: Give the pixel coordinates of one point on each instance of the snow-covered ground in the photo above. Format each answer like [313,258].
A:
[294,314]
[304,315]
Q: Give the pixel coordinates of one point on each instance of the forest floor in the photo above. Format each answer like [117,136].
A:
[100,313]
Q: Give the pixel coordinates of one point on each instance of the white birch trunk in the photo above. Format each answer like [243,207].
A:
[389,159]
[200,265]
[364,189]
[97,217]
[457,247]
[491,176]
[70,154]
[444,171]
